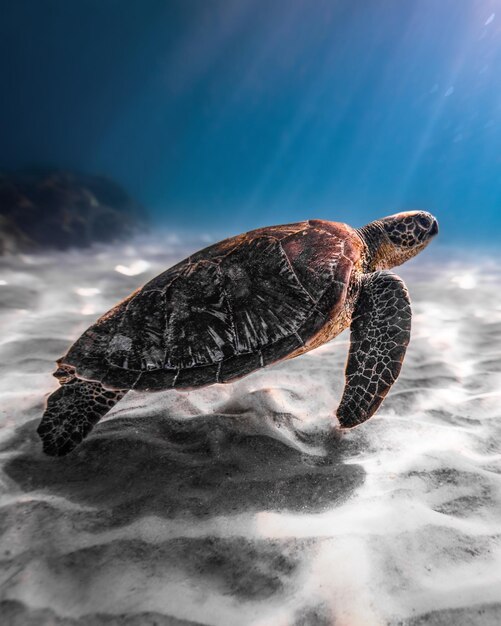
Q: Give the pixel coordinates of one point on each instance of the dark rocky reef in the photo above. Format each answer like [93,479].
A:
[47,209]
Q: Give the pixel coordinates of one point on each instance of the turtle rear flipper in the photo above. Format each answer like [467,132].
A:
[380,332]
[72,412]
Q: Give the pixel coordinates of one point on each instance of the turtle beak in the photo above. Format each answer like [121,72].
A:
[434,228]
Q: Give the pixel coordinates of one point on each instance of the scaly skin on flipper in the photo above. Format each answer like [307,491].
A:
[72,412]
[380,332]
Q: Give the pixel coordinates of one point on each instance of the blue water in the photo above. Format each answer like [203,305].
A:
[237,114]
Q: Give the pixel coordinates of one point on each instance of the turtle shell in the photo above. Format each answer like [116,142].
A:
[224,312]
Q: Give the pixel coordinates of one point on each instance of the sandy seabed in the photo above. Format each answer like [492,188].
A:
[233,505]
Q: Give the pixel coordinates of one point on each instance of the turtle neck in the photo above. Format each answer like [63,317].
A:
[372,236]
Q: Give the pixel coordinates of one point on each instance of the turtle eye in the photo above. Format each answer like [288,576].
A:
[423,221]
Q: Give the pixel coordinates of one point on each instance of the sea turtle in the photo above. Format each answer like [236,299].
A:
[251,300]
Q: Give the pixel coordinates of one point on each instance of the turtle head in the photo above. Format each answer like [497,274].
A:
[393,240]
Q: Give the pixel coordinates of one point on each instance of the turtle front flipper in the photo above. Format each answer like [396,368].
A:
[380,332]
[72,412]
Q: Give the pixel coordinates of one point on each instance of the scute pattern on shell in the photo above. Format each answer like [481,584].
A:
[227,310]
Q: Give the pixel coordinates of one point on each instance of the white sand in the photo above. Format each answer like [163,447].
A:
[232,505]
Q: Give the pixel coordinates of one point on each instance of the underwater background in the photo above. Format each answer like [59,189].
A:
[133,133]
[231,115]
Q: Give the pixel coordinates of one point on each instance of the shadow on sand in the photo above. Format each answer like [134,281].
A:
[187,470]
[201,466]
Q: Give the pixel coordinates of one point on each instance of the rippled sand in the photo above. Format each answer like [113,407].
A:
[233,505]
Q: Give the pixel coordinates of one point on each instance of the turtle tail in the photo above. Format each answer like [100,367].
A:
[72,412]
